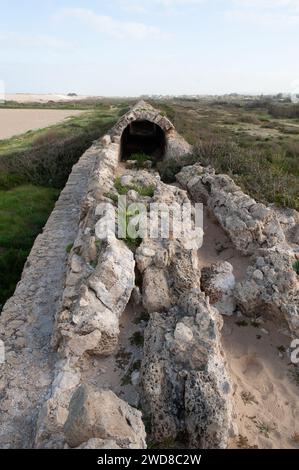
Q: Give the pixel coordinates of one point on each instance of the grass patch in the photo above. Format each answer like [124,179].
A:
[23,213]
[140,159]
[141,190]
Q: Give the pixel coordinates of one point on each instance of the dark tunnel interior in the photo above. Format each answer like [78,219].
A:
[143,137]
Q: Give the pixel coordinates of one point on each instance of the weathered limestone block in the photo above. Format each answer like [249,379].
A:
[218,282]
[54,411]
[101,414]
[96,443]
[155,291]
[114,277]
[176,146]
[250,225]
[185,384]
[271,287]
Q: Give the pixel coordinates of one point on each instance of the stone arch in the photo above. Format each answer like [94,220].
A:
[171,146]
[143,136]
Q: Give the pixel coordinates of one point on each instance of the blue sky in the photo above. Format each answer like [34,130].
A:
[131,47]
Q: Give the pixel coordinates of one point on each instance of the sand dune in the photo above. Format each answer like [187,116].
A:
[39,98]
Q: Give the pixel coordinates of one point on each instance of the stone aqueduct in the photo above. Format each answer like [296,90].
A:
[65,313]
[27,319]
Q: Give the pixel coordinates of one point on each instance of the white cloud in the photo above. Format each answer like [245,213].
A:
[149,6]
[293,4]
[10,39]
[280,14]
[110,26]
[170,3]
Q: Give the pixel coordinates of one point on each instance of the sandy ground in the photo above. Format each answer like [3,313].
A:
[265,394]
[17,121]
[217,247]
[115,371]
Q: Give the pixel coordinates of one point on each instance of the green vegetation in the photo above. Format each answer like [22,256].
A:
[140,159]
[127,378]
[45,157]
[256,142]
[69,247]
[141,190]
[23,212]
[143,317]
[33,168]
[264,428]
[137,339]
[296,266]
[241,323]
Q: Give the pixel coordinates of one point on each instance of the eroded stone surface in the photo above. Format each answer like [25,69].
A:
[100,414]
[250,225]
[183,374]
[218,282]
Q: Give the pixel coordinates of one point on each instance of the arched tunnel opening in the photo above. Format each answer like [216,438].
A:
[143,137]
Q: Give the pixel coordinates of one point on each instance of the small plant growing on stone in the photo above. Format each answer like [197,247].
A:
[248,398]
[143,317]
[122,190]
[69,247]
[132,243]
[126,380]
[241,323]
[140,159]
[136,365]
[93,264]
[296,266]
[137,339]
[123,358]
[112,196]
[141,190]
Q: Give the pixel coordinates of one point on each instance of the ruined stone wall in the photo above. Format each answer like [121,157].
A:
[33,324]
[271,286]
[26,322]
